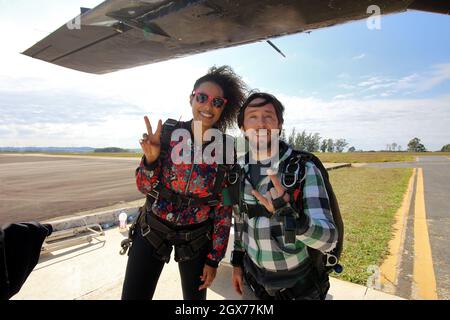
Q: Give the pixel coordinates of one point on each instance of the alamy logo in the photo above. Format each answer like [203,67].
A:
[218,150]
[374,21]
[74,24]
[374,281]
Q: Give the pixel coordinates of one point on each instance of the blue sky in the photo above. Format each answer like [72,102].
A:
[370,87]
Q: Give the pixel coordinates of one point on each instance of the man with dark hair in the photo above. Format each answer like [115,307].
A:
[283,219]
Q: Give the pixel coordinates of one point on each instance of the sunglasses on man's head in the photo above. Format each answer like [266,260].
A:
[202,98]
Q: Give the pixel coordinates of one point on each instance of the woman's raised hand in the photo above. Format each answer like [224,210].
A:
[151,142]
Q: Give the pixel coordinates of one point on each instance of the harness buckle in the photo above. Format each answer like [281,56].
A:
[185,236]
[213,203]
[154,194]
[125,244]
[233,177]
[146,232]
[245,207]
[291,174]
[285,294]
[330,260]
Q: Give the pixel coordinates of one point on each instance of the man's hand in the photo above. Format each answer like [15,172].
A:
[209,273]
[276,192]
[151,142]
[237,279]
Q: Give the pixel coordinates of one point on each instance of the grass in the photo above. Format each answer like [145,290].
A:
[368,199]
[367,157]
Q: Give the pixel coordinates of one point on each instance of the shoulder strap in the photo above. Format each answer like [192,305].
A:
[223,169]
[166,133]
[333,202]
[303,157]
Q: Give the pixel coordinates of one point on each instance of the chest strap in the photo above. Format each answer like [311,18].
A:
[160,191]
[180,200]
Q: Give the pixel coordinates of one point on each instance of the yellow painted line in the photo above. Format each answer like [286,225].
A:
[390,267]
[423,273]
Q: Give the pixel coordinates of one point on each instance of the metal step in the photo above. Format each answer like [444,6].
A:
[71,237]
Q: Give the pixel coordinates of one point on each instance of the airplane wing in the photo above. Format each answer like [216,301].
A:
[120,34]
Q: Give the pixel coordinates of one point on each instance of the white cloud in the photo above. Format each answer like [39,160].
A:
[415,82]
[96,110]
[372,81]
[343,96]
[439,74]
[372,123]
[343,76]
[346,86]
[44,104]
[359,57]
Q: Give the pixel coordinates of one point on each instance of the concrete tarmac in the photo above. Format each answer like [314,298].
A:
[95,271]
[41,187]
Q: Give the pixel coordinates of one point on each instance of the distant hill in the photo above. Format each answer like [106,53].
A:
[47,149]
[112,150]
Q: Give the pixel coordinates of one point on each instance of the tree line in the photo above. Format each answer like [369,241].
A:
[313,142]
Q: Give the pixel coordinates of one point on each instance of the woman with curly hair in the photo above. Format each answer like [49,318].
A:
[185,207]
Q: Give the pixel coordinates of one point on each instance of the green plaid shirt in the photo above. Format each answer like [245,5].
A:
[263,238]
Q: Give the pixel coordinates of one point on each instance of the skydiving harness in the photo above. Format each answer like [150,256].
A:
[293,174]
[161,236]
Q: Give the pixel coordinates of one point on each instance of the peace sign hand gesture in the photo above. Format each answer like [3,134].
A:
[273,194]
[151,142]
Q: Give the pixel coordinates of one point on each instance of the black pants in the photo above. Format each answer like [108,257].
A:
[143,272]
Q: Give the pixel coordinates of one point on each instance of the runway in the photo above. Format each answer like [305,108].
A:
[41,187]
[436,187]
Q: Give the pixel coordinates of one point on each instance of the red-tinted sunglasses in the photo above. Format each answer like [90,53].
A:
[202,98]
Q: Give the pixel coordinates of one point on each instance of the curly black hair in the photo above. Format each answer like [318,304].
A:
[234,90]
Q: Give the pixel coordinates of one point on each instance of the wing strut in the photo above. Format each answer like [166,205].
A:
[275,47]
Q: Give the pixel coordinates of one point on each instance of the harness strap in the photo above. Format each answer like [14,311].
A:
[220,176]
[293,179]
[162,237]
[188,251]
[257,289]
[179,200]
[166,134]
[298,292]
[126,243]
[171,235]
[255,210]
[161,191]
